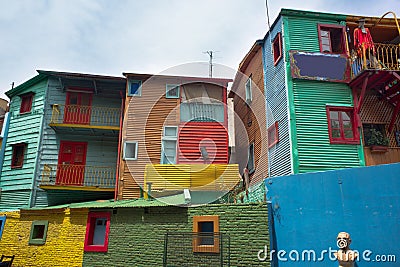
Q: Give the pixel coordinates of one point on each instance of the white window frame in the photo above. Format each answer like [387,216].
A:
[169,87]
[247,87]
[139,91]
[169,138]
[136,150]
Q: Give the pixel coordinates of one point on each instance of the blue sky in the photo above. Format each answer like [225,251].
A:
[111,37]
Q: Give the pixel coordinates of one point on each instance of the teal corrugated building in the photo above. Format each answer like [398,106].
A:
[320,105]
[62,143]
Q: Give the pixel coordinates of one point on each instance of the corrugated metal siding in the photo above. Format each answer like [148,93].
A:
[14,199]
[23,128]
[145,117]
[193,135]
[303,33]
[250,119]
[315,152]
[279,156]
[101,151]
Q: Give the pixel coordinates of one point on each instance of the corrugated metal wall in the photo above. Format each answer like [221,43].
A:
[211,135]
[17,183]
[250,119]
[145,117]
[279,156]
[312,150]
[315,153]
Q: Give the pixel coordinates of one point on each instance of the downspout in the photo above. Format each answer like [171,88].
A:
[121,116]
[3,145]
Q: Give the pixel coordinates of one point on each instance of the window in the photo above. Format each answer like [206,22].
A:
[26,103]
[97,230]
[172,90]
[38,232]
[130,150]
[249,96]
[341,123]
[168,147]
[250,162]
[277,48]
[206,234]
[135,88]
[18,151]
[2,223]
[331,38]
[375,134]
[273,135]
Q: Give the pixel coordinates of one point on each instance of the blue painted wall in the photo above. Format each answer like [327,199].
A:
[309,210]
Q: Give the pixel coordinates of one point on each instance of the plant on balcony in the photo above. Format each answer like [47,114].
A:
[377,141]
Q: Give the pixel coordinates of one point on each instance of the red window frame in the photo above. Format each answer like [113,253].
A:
[90,227]
[332,26]
[18,154]
[26,103]
[342,139]
[273,131]
[277,48]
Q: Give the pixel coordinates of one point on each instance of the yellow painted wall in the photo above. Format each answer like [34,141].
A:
[64,242]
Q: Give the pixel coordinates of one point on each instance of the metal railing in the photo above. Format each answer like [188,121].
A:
[85,115]
[78,175]
[200,177]
[202,112]
[383,56]
[196,249]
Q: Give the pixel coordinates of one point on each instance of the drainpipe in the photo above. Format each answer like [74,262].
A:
[121,116]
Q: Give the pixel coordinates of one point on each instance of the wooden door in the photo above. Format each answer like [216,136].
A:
[78,108]
[71,163]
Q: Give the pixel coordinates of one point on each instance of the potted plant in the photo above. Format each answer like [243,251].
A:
[377,141]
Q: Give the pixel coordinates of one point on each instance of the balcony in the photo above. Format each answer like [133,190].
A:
[197,111]
[386,58]
[78,177]
[195,177]
[89,117]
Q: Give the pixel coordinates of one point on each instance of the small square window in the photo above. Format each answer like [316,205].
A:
[97,230]
[135,88]
[2,223]
[249,95]
[331,38]
[170,131]
[18,151]
[38,232]
[206,237]
[341,125]
[130,150]
[26,103]
[277,48]
[172,91]
[273,135]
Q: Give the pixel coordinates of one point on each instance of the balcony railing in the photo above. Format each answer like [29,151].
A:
[202,112]
[213,177]
[78,175]
[85,115]
[386,57]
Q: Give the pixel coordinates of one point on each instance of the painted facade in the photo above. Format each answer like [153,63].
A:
[175,136]
[62,143]
[317,206]
[139,232]
[247,93]
[306,101]
[3,128]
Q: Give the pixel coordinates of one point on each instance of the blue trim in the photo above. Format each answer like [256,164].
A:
[137,89]
[3,222]
[3,145]
[169,87]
